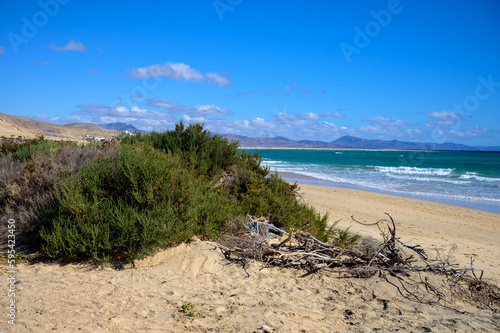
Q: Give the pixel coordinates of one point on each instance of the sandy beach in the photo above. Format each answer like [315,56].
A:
[431,224]
[230,298]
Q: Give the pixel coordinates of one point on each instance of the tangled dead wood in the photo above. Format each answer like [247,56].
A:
[407,267]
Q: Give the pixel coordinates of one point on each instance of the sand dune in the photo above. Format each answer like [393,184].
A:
[25,127]
[232,298]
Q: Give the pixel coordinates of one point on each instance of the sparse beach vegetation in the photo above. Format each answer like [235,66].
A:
[144,193]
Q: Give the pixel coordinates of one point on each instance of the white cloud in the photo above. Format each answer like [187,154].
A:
[311,115]
[172,106]
[305,126]
[188,119]
[292,87]
[385,130]
[217,79]
[445,119]
[385,121]
[177,71]
[197,110]
[100,110]
[471,132]
[303,91]
[239,94]
[438,124]
[445,115]
[261,123]
[304,118]
[333,125]
[332,115]
[207,110]
[293,126]
[64,120]
[2,49]
[71,46]
[290,119]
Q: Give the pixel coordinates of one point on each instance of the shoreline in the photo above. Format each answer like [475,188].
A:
[363,149]
[312,148]
[433,225]
[302,179]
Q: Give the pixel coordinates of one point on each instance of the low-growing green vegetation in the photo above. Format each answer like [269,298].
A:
[24,149]
[127,200]
[188,309]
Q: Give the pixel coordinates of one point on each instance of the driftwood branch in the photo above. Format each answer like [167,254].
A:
[390,259]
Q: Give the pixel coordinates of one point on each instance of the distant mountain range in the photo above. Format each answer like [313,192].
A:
[16,126]
[351,142]
[120,127]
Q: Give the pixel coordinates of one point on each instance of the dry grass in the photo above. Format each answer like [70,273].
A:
[31,185]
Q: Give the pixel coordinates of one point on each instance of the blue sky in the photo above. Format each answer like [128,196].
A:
[407,70]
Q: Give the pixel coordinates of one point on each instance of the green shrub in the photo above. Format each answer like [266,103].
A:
[150,191]
[143,201]
[30,186]
[201,151]
[342,238]
[25,149]
[276,200]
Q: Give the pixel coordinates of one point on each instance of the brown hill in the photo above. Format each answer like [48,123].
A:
[85,125]
[15,126]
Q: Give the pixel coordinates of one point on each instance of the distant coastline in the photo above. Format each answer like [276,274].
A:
[351,142]
[469,179]
[302,179]
[305,148]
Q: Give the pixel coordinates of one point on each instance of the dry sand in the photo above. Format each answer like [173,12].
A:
[434,225]
[16,126]
[230,298]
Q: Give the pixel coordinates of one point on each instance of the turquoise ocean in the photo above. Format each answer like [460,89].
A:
[466,178]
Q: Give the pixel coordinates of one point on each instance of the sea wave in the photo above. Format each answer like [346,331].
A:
[396,188]
[475,176]
[476,198]
[452,181]
[414,170]
[429,179]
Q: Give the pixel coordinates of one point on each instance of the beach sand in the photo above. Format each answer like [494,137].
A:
[232,298]
[433,225]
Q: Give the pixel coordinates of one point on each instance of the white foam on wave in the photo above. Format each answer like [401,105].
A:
[428,179]
[444,183]
[414,170]
[460,197]
[345,180]
[474,176]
